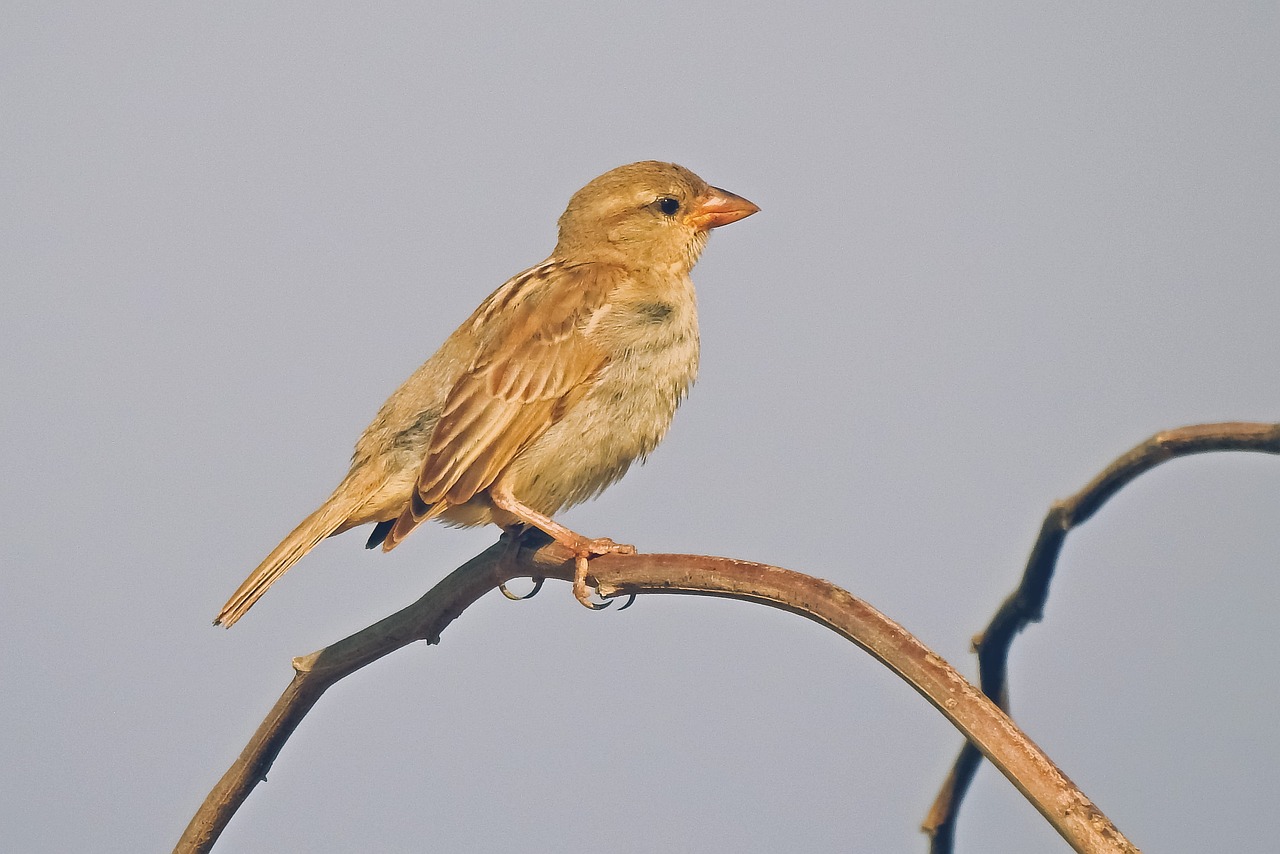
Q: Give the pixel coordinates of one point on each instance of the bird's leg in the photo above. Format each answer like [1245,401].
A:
[583,548]
[514,537]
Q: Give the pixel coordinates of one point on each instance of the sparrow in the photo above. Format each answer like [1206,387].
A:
[560,380]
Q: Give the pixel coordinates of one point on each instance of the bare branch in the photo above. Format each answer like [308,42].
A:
[1070,812]
[1026,604]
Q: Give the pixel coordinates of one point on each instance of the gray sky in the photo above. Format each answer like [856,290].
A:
[999,245]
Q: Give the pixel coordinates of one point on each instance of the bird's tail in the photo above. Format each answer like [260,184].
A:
[320,524]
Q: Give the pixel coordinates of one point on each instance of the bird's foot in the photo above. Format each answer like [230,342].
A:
[514,539]
[583,552]
[516,597]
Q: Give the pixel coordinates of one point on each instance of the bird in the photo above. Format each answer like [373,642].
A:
[562,378]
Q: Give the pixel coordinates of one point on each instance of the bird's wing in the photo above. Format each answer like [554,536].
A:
[537,359]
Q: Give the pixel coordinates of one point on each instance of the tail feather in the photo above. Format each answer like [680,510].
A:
[414,515]
[320,524]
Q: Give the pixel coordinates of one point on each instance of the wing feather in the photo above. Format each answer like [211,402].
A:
[537,360]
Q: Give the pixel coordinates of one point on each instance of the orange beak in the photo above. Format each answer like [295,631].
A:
[718,207]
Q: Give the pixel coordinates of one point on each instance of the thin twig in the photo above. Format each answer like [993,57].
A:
[1067,809]
[1026,604]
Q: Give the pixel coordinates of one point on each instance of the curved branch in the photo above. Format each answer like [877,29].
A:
[1026,604]
[1070,812]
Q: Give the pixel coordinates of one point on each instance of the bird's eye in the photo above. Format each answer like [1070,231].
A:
[668,205]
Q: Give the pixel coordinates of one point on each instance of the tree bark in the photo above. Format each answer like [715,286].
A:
[1084,827]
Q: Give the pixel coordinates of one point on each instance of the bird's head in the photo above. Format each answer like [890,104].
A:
[646,214]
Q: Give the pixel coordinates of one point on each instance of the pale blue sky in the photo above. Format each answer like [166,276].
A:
[999,245]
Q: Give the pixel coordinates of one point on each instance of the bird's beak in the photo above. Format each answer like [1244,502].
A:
[718,207]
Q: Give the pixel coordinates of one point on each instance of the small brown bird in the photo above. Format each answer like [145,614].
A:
[561,379]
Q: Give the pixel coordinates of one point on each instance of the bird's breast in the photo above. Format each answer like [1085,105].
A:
[652,346]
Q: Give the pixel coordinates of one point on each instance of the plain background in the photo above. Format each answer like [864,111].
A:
[1000,244]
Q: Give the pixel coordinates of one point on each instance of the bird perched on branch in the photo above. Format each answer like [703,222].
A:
[561,379]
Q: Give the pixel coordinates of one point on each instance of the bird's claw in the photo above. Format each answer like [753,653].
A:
[537,585]
[584,553]
[581,591]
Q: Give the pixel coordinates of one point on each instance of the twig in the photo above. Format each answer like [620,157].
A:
[1026,604]
[1070,812]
